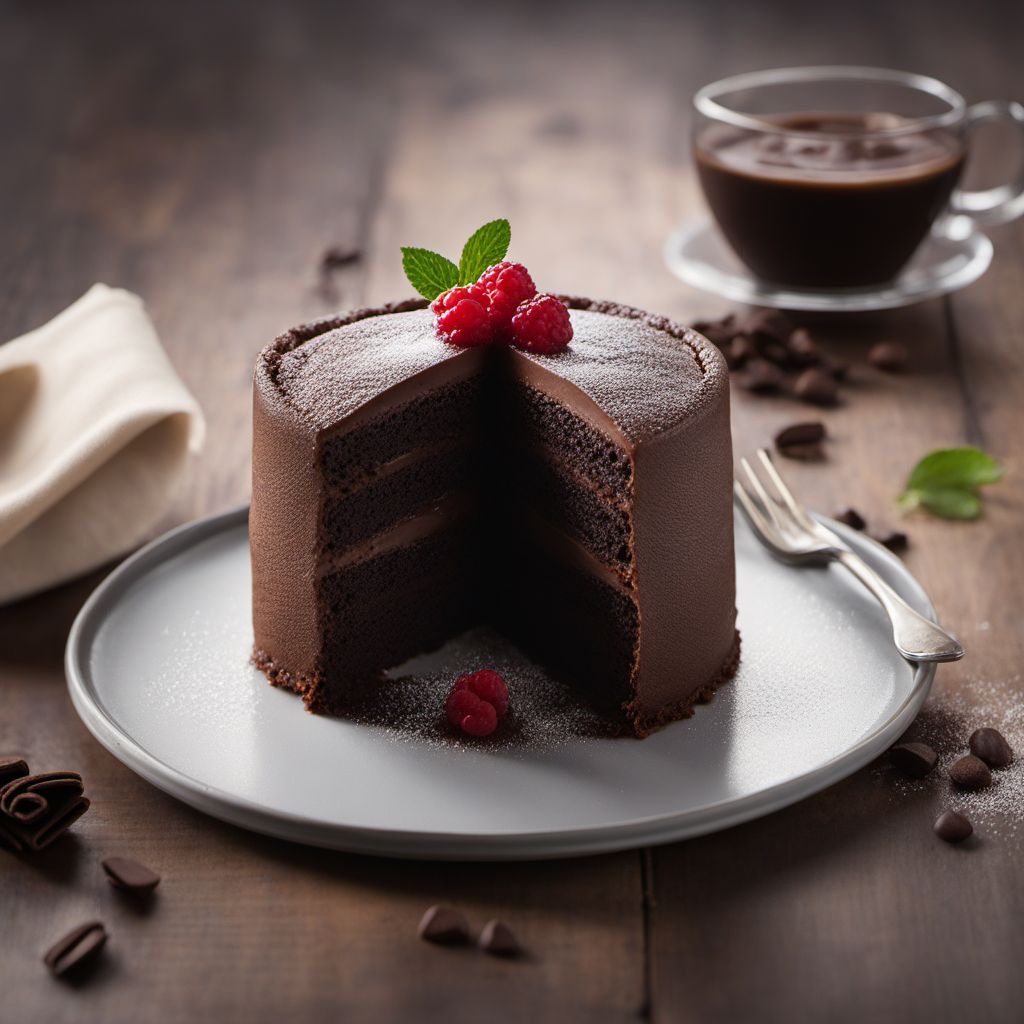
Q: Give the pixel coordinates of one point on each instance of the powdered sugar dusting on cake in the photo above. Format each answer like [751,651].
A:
[645,372]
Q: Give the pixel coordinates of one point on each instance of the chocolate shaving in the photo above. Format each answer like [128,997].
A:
[37,809]
[129,875]
[74,948]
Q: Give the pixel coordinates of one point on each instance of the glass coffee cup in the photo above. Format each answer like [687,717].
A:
[831,177]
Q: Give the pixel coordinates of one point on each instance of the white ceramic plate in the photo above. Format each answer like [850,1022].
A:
[953,256]
[157,668]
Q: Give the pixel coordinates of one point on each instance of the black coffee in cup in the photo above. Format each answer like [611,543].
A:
[827,200]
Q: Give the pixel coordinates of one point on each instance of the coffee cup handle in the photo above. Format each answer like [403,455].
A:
[1003,202]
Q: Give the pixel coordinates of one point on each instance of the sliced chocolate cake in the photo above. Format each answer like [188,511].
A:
[405,490]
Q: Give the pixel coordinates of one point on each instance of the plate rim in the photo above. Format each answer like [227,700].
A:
[743,287]
[417,844]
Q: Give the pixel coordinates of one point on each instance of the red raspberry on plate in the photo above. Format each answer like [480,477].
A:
[488,686]
[542,325]
[462,316]
[477,701]
[466,711]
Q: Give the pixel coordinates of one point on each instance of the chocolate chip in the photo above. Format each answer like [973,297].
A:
[761,377]
[718,332]
[800,433]
[990,746]
[852,518]
[952,826]
[804,452]
[801,441]
[768,325]
[741,349]
[775,352]
[835,368]
[803,349]
[817,387]
[339,256]
[970,772]
[130,875]
[76,947]
[895,540]
[915,760]
[890,356]
[444,925]
[499,940]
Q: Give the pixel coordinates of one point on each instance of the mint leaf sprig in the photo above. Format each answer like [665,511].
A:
[430,273]
[946,482]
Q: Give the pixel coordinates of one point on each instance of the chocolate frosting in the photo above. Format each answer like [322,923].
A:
[657,389]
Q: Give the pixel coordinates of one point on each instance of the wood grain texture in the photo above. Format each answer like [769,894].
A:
[204,155]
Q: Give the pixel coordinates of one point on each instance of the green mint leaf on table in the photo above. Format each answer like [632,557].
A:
[946,482]
[486,246]
[428,272]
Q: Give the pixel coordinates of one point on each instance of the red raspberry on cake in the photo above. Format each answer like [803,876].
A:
[462,316]
[477,701]
[542,325]
[507,285]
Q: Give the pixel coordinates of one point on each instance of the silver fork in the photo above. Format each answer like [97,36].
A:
[792,535]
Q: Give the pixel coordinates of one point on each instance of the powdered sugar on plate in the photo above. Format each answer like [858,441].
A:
[946,723]
[409,703]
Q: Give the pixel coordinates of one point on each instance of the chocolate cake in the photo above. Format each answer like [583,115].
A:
[405,490]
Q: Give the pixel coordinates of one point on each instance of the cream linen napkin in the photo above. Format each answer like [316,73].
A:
[95,431]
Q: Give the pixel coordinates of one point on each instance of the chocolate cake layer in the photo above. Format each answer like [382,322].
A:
[594,528]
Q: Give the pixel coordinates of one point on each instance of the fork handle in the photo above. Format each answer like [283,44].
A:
[916,638]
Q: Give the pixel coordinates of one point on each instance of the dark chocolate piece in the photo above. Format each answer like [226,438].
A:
[915,760]
[952,827]
[895,540]
[444,925]
[970,772]
[718,332]
[768,325]
[810,432]
[76,947]
[991,746]
[816,386]
[130,875]
[890,356]
[852,518]
[499,940]
[803,349]
[761,377]
[741,350]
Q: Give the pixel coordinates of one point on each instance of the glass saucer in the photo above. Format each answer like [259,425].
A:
[954,255]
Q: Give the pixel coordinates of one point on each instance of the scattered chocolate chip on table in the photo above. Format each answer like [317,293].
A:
[970,772]
[953,827]
[444,925]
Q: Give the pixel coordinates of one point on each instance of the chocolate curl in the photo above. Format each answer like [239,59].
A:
[37,809]
[11,768]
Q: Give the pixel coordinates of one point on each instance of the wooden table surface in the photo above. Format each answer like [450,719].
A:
[203,155]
